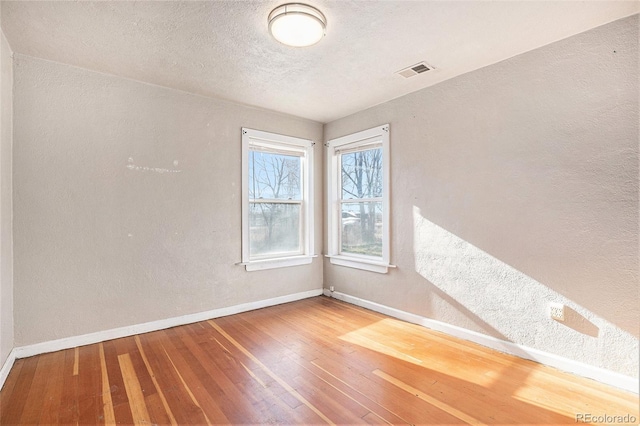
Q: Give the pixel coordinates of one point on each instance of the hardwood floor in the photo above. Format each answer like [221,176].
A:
[315,361]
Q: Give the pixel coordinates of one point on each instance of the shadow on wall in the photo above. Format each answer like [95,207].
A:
[507,304]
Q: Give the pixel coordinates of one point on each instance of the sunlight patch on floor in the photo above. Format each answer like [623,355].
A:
[378,337]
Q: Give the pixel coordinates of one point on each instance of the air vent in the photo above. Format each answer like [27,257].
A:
[416,69]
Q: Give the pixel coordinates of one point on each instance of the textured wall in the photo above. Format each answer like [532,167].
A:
[6,243]
[127,203]
[513,186]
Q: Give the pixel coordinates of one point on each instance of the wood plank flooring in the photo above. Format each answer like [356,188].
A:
[316,361]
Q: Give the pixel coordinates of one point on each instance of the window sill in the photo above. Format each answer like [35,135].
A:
[358,263]
[281,262]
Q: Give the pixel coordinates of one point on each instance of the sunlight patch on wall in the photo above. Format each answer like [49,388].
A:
[516,305]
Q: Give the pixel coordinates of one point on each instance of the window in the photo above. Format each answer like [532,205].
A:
[277,220]
[358,171]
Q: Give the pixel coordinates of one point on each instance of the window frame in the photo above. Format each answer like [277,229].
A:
[377,136]
[286,145]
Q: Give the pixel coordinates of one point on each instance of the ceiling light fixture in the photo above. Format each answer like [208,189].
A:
[297,24]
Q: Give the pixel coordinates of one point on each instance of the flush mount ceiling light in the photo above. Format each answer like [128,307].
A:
[297,24]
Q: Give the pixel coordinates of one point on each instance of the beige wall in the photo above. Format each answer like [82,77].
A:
[6,246]
[127,203]
[513,186]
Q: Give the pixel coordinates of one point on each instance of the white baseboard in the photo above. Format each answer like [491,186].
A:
[6,367]
[101,336]
[565,364]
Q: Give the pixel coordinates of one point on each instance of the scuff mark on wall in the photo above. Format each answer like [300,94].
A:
[132,166]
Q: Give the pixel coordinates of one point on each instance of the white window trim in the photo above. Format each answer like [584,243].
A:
[281,143]
[377,135]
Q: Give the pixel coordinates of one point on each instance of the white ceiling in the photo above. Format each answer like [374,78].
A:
[222,48]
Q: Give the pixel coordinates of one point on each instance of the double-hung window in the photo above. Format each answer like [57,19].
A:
[358,171]
[277,219]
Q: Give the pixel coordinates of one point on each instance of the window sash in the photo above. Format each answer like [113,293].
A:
[285,151]
[256,173]
[301,229]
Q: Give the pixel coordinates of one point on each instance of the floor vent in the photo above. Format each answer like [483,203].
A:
[416,69]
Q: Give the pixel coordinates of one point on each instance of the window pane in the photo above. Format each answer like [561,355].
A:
[275,176]
[362,174]
[274,229]
[361,225]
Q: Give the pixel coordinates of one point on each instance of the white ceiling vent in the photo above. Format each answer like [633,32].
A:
[416,69]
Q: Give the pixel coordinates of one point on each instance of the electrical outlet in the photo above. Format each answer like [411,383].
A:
[331,289]
[556,311]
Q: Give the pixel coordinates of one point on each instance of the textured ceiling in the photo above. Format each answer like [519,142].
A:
[222,48]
